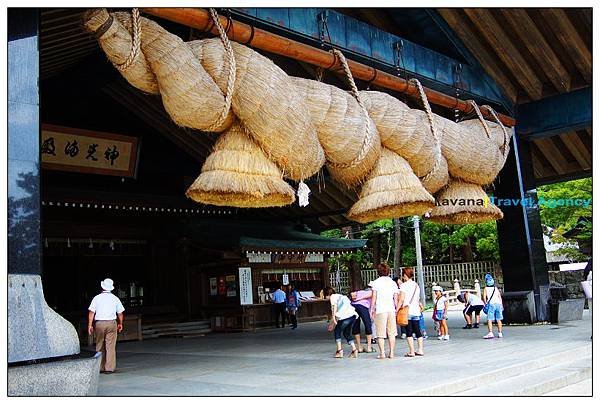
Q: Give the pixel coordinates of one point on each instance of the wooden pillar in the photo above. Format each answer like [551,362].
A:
[397,247]
[356,282]
[376,249]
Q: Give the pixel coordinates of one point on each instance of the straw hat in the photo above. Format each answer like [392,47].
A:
[391,190]
[462,203]
[238,173]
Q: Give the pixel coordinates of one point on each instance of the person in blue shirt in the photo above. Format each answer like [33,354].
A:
[279,302]
[292,304]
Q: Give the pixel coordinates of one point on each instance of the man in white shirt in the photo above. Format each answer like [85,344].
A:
[384,301]
[105,320]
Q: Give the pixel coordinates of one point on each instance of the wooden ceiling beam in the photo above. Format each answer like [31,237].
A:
[473,42]
[491,30]
[545,168]
[532,38]
[552,154]
[570,39]
[577,149]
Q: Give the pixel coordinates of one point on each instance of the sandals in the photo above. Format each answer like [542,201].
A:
[419,354]
[380,357]
[407,355]
[353,354]
[339,354]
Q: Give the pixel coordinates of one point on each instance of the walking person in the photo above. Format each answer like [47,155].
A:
[361,301]
[473,304]
[493,306]
[409,296]
[384,304]
[343,316]
[279,303]
[440,312]
[105,320]
[292,304]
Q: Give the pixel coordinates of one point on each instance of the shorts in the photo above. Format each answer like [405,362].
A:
[495,312]
[385,325]
[413,327]
[470,309]
[439,315]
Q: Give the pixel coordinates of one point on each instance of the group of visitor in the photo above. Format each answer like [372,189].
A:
[380,305]
[286,304]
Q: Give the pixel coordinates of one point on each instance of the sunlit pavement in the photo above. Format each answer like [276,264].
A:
[277,362]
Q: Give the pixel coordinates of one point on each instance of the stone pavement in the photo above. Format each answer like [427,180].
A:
[279,362]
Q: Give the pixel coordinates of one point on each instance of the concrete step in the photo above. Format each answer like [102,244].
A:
[537,382]
[501,373]
[583,388]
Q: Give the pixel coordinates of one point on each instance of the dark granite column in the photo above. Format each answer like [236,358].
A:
[522,254]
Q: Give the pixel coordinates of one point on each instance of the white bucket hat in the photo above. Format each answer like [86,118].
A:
[436,288]
[107,284]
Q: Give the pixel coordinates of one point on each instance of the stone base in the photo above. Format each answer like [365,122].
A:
[566,310]
[69,377]
[519,307]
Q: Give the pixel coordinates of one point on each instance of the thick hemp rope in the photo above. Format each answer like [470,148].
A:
[434,132]
[499,122]
[231,75]
[368,140]
[136,27]
[481,119]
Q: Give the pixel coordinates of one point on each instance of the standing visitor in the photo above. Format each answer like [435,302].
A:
[473,304]
[383,309]
[587,285]
[440,312]
[292,302]
[343,317]
[409,296]
[493,306]
[279,303]
[361,301]
[105,320]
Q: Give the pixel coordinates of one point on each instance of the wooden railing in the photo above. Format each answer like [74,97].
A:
[465,271]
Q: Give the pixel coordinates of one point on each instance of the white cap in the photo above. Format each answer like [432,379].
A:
[437,288]
[107,284]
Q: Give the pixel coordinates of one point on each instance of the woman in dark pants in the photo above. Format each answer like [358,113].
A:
[343,316]
[361,301]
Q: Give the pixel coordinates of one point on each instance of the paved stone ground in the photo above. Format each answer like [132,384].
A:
[299,362]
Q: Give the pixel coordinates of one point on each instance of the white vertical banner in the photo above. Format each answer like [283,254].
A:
[245,286]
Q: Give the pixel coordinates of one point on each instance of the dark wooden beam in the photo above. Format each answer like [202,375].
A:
[569,38]
[576,147]
[564,177]
[552,154]
[520,22]
[545,166]
[473,42]
[491,30]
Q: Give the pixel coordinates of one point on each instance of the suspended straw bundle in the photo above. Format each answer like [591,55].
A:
[239,174]
[347,134]
[463,203]
[189,95]
[396,124]
[391,190]
[267,102]
[438,178]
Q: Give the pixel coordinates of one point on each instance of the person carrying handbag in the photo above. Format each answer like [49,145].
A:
[493,307]
[410,298]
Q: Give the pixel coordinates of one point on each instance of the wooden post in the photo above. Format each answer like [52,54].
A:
[397,247]
[376,250]
[477,288]
[457,286]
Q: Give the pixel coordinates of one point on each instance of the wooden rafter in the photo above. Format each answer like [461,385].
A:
[546,169]
[491,30]
[574,144]
[553,155]
[472,41]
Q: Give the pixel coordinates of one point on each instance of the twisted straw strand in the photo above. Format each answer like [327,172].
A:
[434,132]
[135,43]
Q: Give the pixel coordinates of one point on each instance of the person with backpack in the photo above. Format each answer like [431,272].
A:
[343,316]
[440,312]
[493,306]
[409,296]
[292,304]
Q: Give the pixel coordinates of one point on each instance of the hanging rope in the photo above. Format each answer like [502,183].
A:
[136,41]
[434,132]
[504,147]
[481,119]
[230,59]
[368,140]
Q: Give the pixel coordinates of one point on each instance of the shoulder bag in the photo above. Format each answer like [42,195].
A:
[402,313]
[486,308]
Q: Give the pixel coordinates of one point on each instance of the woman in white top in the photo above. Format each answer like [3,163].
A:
[343,316]
[409,296]
[473,304]
[384,302]
[492,298]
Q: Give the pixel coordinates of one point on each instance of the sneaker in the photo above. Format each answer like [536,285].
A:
[403,336]
[446,338]
[489,335]
[467,327]
[441,337]
[476,325]
[500,335]
[425,336]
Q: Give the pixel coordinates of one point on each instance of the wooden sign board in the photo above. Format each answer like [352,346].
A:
[84,151]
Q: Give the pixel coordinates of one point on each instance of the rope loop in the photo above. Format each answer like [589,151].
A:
[136,28]
[481,119]
[368,140]
[434,130]
[230,59]
[499,122]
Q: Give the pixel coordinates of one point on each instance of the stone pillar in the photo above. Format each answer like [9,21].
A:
[522,253]
[477,288]
[34,330]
